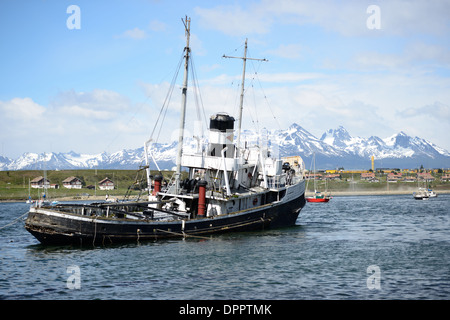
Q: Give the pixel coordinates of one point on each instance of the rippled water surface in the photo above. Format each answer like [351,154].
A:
[325,256]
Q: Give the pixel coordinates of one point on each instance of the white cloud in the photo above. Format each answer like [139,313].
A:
[373,82]
[288,51]
[196,45]
[375,60]
[431,122]
[157,26]
[97,104]
[414,57]
[135,33]
[364,103]
[422,52]
[421,17]
[258,18]
[235,20]
[23,124]
[437,110]
[23,109]
[348,18]
[287,77]
[87,122]
[84,112]
[280,78]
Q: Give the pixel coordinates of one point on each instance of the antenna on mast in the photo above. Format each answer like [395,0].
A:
[244,58]
[187,27]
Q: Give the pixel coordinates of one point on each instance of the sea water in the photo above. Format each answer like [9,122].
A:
[354,247]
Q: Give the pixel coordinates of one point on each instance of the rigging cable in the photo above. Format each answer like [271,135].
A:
[14,221]
[197,95]
[265,96]
[268,104]
[166,103]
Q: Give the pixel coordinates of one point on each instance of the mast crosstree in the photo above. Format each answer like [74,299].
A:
[244,58]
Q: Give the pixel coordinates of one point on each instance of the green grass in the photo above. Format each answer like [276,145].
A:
[14,184]
[353,182]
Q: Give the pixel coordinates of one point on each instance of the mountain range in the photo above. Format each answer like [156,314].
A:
[336,148]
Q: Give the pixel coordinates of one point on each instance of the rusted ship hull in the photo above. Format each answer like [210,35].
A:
[53,227]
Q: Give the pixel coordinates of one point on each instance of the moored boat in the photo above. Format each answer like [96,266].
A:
[421,194]
[229,187]
[318,197]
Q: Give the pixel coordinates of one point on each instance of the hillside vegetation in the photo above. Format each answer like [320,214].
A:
[14,184]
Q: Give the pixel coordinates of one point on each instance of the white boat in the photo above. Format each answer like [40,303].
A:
[318,196]
[431,193]
[29,200]
[421,194]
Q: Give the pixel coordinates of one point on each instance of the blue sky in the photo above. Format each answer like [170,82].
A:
[100,87]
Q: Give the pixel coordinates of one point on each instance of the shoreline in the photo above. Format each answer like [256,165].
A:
[91,198]
[333,194]
[380,193]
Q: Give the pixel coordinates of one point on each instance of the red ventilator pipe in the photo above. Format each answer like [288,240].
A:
[157,187]
[202,198]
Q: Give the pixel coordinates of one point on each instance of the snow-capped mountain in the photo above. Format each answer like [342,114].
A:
[4,163]
[399,150]
[299,141]
[336,148]
[339,137]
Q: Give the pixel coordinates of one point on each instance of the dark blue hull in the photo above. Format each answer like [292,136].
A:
[54,227]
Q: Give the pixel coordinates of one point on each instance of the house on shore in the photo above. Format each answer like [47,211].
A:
[41,183]
[425,176]
[313,176]
[394,177]
[333,176]
[106,184]
[72,183]
[409,179]
[367,175]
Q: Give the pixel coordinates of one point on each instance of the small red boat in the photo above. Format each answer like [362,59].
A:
[318,197]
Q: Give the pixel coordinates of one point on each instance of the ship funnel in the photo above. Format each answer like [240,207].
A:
[221,133]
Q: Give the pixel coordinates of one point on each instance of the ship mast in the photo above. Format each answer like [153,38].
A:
[187,27]
[244,58]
